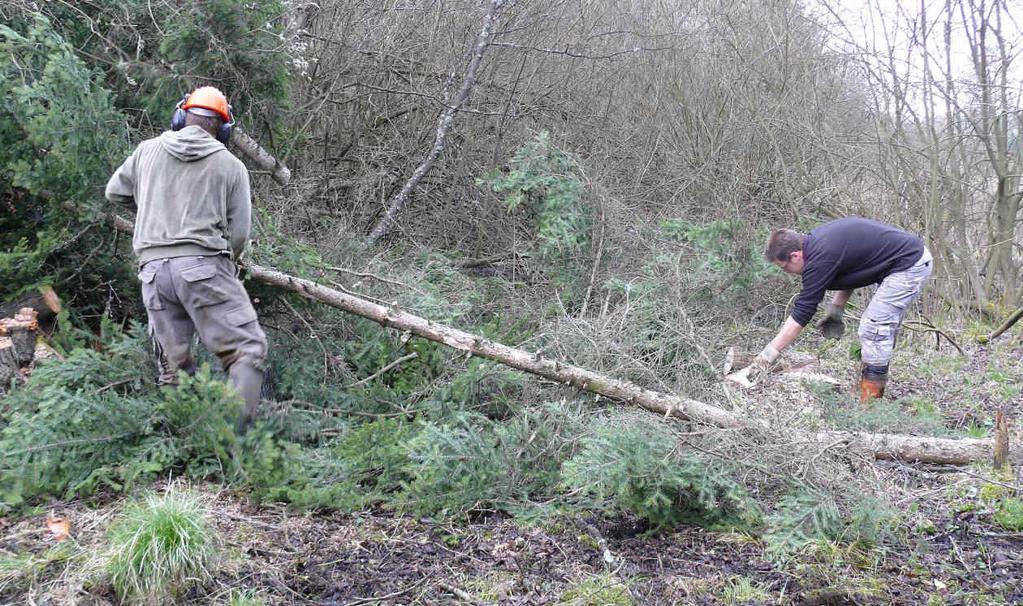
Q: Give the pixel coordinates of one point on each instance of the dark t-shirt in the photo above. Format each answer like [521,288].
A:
[849,253]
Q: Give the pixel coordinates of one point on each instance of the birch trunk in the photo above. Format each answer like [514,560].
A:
[883,446]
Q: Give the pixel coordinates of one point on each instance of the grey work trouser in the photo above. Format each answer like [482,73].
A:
[185,295]
[880,323]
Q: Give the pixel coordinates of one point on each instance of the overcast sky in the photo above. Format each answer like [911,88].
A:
[876,25]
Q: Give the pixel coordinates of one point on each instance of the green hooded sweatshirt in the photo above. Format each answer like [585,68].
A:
[192,196]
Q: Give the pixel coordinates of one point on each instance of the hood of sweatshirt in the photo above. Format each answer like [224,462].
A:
[190,143]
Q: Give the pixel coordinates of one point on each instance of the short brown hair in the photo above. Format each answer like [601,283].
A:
[209,124]
[782,243]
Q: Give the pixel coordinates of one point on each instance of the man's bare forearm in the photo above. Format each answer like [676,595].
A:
[786,335]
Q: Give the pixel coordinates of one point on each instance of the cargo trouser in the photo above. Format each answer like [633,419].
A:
[880,323]
[188,295]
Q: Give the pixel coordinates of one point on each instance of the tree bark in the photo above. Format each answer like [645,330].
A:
[262,158]
[8,364]
[17,345]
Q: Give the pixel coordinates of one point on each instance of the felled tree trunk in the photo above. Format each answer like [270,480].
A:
[262,158]
[915,449]
[883,446]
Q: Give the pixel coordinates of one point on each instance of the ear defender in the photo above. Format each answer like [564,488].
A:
[178,118]
[225,130]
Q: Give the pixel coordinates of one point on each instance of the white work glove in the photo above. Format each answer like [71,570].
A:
[761,365]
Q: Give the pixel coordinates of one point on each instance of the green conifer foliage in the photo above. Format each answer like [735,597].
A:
[636,467]
[59,135]
[236,45]
[547,182]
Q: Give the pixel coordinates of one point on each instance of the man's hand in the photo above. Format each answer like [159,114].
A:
[761,365]
[831,325]
[240,266]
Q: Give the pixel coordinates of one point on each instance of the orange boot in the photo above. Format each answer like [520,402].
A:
[873,380]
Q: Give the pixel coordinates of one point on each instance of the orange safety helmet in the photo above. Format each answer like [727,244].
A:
[206,101]
[208,97]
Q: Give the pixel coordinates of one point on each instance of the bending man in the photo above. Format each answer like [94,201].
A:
[192,225]
[843,255]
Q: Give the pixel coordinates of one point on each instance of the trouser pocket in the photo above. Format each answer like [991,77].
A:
[202,284]
[150,294]
[877,341]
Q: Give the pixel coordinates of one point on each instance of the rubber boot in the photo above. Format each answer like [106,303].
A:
[249,383]
[873,380]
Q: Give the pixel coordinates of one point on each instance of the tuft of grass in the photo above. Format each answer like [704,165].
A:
[600,590]
[246,598]
[975,430]
[742,590]
[160,546]
[1010,515]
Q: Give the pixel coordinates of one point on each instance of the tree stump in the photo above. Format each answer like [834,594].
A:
[22,333]
[44,301]
[17,345]
[8,365]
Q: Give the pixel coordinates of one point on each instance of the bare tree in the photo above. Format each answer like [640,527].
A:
[447,115]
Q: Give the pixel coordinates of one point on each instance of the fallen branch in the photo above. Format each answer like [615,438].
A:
[882,446]
[1015,317]
[393,317]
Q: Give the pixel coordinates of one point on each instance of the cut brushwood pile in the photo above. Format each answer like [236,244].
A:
[906,448]
[882,446]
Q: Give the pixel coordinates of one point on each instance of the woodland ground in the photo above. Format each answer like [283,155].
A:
[945,546]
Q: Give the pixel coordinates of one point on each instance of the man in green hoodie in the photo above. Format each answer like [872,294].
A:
[192,225]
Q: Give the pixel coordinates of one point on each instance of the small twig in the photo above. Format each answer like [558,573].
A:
[470,263]
[989,480]
[388,596]
[959,554]
[460,594]
[360,274]
[114,384]
[929,326]
[405,358]
[806,466]
[342,288]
